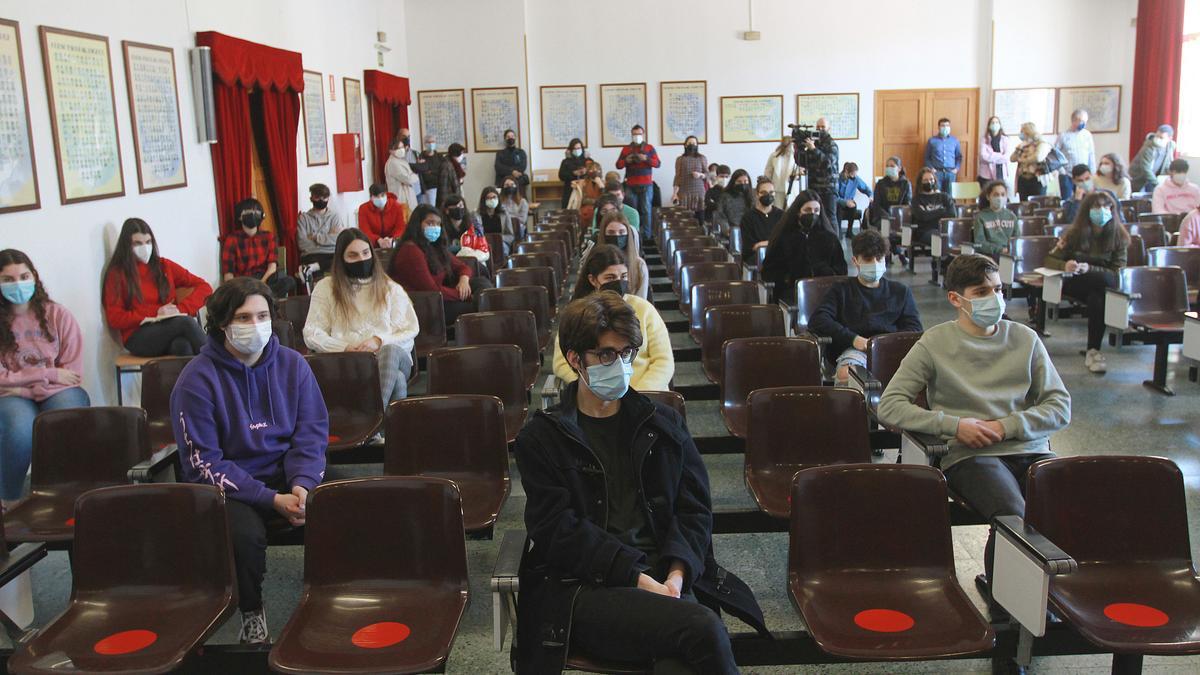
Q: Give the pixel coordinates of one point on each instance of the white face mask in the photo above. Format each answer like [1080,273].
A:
[491,202]
[1105,169]
[577,152]
[379,202]
[638,138]
[143,251]
[993,128]
[1160,142]
[1179,179]
[249,338]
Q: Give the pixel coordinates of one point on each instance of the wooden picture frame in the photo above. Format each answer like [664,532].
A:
[432,105]
[157,130]
[1014,107]
[676,134]
[316,127]
[352,103]
[93,171]
[616,118]
[730,131]
[488,129]
[827,105]
[1104,98]
[576,127]
[21,193]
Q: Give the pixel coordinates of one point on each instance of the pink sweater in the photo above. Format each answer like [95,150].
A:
[1189,229]
[1170,198]
[37,358]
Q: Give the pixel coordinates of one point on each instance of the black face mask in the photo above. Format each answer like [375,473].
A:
[928,187]
[456,213]
[767,199]
[320,204]
[618,240]
[508,191]
[807,220]
[690,149]
[251,220]
[510,142]
[740,188]
[404,141]
[360,269]
[618,286]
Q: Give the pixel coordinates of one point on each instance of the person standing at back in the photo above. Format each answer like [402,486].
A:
[1030,156]
[572,168]
[401,180]
[993,154]
[943,154]
[1077,144]
[781,170]
[639,159]
[511,162]
[819,154]
[438,180]
[688,188]
[1150,164]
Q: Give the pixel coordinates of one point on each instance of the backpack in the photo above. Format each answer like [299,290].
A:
[1054,161]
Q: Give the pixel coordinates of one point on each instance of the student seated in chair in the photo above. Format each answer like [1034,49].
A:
[863,307]
[992,390]
[250,252]
[803,245]
[619,565]
[249,418]
[994,224]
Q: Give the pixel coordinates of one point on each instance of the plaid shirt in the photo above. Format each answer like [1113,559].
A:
[246,256]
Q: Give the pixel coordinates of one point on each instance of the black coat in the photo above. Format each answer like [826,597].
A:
[797,255]
[567,547]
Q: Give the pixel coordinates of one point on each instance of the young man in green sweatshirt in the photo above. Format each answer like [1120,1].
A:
[992,391]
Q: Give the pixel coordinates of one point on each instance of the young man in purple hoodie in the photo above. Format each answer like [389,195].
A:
[249,418]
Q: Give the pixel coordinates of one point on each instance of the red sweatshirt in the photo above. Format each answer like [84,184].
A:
[410,269]
[388,223]
[127,320]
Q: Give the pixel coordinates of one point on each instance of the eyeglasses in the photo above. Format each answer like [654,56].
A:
[608,355]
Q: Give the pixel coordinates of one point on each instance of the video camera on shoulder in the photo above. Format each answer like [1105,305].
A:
[803,132]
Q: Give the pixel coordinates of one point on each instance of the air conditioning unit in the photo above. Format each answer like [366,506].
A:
[200,59]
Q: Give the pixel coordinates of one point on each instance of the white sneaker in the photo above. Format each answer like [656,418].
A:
[1095,361]
[254,628]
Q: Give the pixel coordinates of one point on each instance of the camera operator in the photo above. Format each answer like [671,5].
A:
[817,156]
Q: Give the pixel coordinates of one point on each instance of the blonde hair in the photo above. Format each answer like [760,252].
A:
[1030,129]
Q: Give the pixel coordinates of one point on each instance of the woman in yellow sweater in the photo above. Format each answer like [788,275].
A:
[604,269]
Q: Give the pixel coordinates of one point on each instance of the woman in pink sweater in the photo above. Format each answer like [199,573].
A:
[41,364]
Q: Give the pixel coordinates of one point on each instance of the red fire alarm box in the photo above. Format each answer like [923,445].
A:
[347,162]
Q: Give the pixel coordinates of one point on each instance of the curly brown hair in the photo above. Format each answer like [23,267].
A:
[8,341]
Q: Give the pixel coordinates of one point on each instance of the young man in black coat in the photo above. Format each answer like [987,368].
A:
[619,558]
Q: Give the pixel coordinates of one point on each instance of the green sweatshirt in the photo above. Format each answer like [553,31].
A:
[992,230]
[1006,377]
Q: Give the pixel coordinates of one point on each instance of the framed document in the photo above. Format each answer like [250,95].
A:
[154,110]
[1102,103]
[840,109]
[352,93]
[1015,107]
[316,143]
[621,107]
[18,170]
[493,111]
[683,111]
[752,119]
[564,115]
[443,116]
[83,115]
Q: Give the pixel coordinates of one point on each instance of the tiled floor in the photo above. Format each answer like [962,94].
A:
[1111,414]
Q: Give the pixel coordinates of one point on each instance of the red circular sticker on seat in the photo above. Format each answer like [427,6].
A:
[1134,614]
[70,522]
[380,635]
[334,438]
[125,642]
[883,620]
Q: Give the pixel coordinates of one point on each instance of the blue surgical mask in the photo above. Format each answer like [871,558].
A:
[872,271]
[379,201]
[986,312]
[891,172]
[943,131]
[1081,126]
[432,232]
[1100,216]
[998,203]
[610,382]
[18,292]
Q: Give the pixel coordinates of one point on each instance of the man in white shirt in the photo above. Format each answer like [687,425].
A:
[1077,144]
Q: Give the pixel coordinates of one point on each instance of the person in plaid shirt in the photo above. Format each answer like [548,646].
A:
[250,252]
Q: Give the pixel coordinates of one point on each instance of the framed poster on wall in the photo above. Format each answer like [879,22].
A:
[83,115]
[352,94]
[443,116]
[154,111]
[683,111]
[564,115]
[18,169]
[316,133]
[1015,107]
[841,110]
[493,111]
[621,107]
[1102,103]
[752,119]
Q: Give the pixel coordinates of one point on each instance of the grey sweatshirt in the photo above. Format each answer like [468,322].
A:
[323,226]
[1007,377]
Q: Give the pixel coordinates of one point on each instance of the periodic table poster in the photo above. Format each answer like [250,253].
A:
[83,115]
[841,110]
[18,175]
[154,109]
[495,110]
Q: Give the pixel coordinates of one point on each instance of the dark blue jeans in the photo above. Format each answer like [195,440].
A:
[16,434]
[945,180]
[641,201]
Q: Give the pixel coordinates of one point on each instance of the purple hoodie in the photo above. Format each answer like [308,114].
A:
[241,428]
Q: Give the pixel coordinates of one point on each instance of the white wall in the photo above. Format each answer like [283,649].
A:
[70,244]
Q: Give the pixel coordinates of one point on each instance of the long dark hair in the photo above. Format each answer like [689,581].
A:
[518,196]
[437,253]
[1113,235]
[600,258]
[1119,172]
[985,195]
[791,217]
[8,341]
[747,196]
[483,195]
[343,286]
[124,263]
[988,132]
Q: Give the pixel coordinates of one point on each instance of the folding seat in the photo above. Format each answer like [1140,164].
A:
[947,243]
[295,310]
[1025,254]
[532,298]
[532,276]
[1031,226]
[158,381]
[555,249]
[760,362]
[715,293]
[725,322]
[685,256]
[1186,258]
[509,327]
[431,316]
[680,243]
[1046,201]
[152,578]
[1149,307]
[1153,234]
[810,293]
[495,242]
[1136,251]
[701,272]
[493,370]
[349,383]
[671,399]
[378,598]
[541,259]
[884,354]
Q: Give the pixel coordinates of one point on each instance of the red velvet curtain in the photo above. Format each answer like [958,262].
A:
[1157,61]
[389,100]
[231,154]
[281,119]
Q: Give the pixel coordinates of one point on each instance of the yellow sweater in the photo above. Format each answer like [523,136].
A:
[655,364]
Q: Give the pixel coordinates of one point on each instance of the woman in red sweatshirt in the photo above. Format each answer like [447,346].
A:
[424,263]
[151,300]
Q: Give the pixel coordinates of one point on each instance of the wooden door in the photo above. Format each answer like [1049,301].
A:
[906,119]
[961,107]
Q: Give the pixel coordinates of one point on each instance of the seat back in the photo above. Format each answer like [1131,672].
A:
[349,383]
[886,351]
[1046,201]
[1153,234]
[495,242]
[1050,214]
[532,298]
[736,239]
[1135,253]
[810,293]
[152,535]
[688,242]
[1022,208]
[1111,509]
[901,215]
[422,541]
[460,433]
[555,246]
[837,523]
[679,231]
[752,363]
[1141,205]
[494,370]
[508,327]
[955,231]
[1031,226]
[431,320]
[158,380]
[1186,258]
[726,322]
[834,420]
[545,277]
[687,256]
[295,310]
[1172,221]
[700,272]
[96,445]
[542,259]
[1155,289]
[716,293]
[671,399]
[1030,253]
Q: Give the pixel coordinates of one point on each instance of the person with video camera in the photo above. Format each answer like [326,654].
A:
[817,156]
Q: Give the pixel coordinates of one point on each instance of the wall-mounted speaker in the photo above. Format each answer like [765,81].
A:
[202,94]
